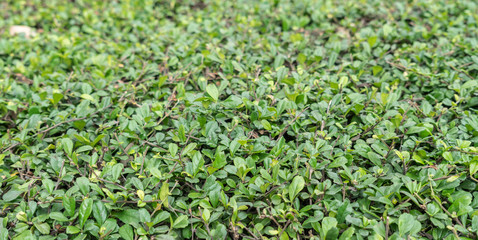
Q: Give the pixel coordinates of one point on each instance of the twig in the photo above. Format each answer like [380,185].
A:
[143,72]
[72,120]
[472,178]
[288,125]
[64,122]
[59,175]
[110,182]
[448,213]
[192,228]
[387,228]
[366,131]
[454,232]
[76,165]
[11,147]
[403,68]
[283,229]
[142,162]
[323,121]
[66,83]
[119,144]
[463,151]
[102,200]
[235,235]
[445,177]
[253,235]
[261,216]
[458,70]
[181,153]
[106,181]
[206,225]
[153,145]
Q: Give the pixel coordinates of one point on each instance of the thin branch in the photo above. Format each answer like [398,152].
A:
[64,122]
[366,131]
[387,228]
[106,181]
[283,229]
[142,162]
[459,70]
[250,232]
[72,120]
[206,225]
[445,177]
[463,151]
[448,213]
[290,123]
[59,175]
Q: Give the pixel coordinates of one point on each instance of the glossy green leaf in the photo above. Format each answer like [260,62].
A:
[84,211]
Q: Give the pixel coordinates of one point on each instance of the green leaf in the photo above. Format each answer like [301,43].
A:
[97,139]
[11,195]
[57,97]
[267,126]
[99,212]
[473,167]
[81,236]
[461,203]
[234,146]
[85,210]
[67,145]
[164,194]
[452,178]
[162,80]
[72,230]
[206,215]
[181,134]
[332,234]
[213,92]
[155,172]
[219,161]
[84,185]
[44,228]
[110,226]
[469,84]
[448,156]
[126,232]
[25,235]
[58,216]
[219,232]
[347,234]
[328,223]
[116,171]
[405,223]
[173,149]
[3,233]
[88,97]
[296,186]
[374,158]
[181,222]
[69,204]
[163,215]
[129,216]
[144,215]
[188,148]
[110,194]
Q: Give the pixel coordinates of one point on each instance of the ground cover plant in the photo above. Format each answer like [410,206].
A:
[275,119]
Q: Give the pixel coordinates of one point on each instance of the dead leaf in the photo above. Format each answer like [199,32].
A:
[21,78]
[27,31]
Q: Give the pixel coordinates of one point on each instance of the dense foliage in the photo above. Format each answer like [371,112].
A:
[186,119]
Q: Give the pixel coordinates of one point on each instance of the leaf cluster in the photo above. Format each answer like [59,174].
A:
[274,119]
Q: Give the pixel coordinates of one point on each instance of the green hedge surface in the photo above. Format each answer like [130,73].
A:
[271,119]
